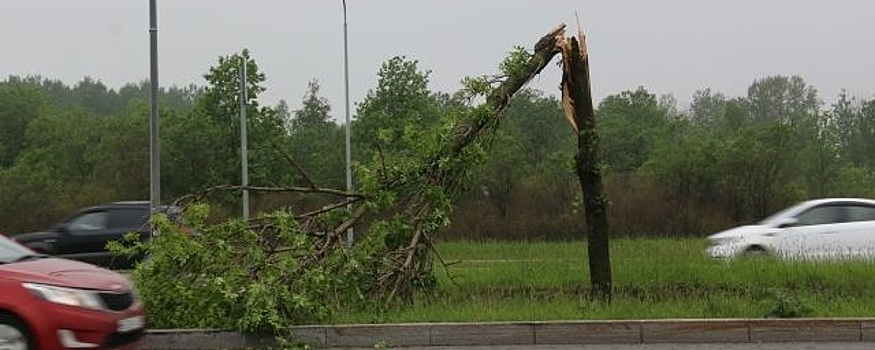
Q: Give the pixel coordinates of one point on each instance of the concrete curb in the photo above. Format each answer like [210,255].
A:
[537,332]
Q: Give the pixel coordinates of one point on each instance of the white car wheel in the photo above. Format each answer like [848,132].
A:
[755,252]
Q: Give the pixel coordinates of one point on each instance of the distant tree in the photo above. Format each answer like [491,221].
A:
[315,112]
[19,105]
[717,112]
[842,119]
[316,141]
[56,173]
[629,123]
[93,96]
[396,114]
[758,172]
[203,147]
[497,179]
[864,140]
[284,113]
[178,99]
[121,154]
[535,143]
[685,164]
[63,148]
[783,99]
[541,125]
[855,125]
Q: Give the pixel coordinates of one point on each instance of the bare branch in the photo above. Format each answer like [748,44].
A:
[330,207]
[297,166]
[328,191]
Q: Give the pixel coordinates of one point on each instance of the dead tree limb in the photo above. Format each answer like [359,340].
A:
[295,164]
[329,208]
[318,190]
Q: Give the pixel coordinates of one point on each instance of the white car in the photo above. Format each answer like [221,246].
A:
[821,229]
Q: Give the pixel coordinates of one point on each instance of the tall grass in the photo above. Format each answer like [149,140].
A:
[653,278]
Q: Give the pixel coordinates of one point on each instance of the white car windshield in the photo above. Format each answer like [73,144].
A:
[776,219]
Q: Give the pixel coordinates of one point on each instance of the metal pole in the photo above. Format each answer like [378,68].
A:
[154,143]
[349,233]
[244,152]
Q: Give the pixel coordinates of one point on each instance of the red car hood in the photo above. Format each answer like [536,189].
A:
[66,273]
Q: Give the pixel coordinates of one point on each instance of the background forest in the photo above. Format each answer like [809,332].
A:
[669,170]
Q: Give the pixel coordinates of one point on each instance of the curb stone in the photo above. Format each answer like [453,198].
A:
[535,332]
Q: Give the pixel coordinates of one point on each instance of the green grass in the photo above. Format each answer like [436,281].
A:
[653,278]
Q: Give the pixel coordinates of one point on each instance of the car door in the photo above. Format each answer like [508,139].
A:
[126,220]
[813,235]
[83,236]
[122,220]
[857,234]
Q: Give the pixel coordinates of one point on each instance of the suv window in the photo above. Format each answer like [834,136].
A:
[97,220]
[128,218]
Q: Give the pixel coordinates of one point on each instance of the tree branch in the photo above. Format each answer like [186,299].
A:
[297,166]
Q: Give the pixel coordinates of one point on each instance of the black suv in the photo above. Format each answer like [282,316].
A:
[84,235]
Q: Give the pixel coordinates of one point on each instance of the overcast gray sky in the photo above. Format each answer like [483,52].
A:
[668,46]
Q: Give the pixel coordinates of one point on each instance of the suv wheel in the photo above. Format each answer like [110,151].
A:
[14,334]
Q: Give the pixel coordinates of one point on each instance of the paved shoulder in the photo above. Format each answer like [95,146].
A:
[745,346]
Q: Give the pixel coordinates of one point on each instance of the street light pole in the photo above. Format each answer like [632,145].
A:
[349,234]
[244,151]
[154,140]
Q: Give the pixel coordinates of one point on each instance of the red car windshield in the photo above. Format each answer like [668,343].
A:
[11,251]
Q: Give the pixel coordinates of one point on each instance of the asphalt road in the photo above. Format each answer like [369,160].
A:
[744,346]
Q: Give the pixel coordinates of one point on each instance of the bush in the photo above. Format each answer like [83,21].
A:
[254,277]
[788,306]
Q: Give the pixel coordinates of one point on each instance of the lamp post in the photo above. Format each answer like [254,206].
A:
[244,143]
[349,234]
[154,145]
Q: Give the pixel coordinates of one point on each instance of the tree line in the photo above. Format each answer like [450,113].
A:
[668,170]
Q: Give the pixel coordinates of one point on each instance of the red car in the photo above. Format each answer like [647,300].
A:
[50,303]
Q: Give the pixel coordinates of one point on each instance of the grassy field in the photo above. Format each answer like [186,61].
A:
[653,278]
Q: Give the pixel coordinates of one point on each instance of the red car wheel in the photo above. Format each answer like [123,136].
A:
[14,335]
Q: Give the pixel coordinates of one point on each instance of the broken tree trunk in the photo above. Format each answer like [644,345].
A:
[577,102]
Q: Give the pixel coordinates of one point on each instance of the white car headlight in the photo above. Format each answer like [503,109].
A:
[66,296]
[722,240]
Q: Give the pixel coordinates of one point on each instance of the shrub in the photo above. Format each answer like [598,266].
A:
[788,306]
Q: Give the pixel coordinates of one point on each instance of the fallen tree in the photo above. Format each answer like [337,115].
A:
[288,268]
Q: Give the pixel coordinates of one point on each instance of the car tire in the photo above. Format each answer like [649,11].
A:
[756,252]
[14,334]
